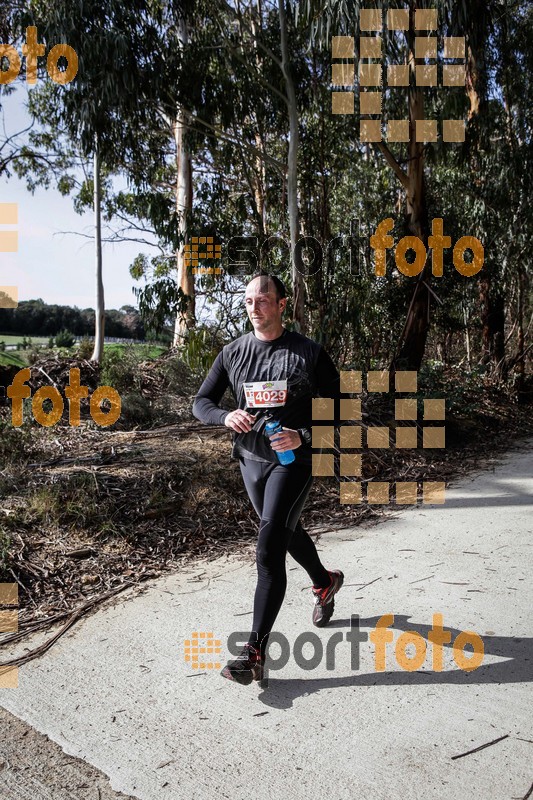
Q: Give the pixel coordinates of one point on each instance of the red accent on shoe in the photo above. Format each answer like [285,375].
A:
[322,590]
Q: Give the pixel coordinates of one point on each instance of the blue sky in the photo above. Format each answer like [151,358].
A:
[55,266]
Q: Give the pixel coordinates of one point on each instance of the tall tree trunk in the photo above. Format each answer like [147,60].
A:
[492,307]
[416,327]
[519,364]
[99,311]
[492,323]
[292,179]
[485,313]
[467,339]
[497,336]
[260,171]
[184,320]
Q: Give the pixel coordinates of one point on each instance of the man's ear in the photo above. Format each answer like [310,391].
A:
[284,301]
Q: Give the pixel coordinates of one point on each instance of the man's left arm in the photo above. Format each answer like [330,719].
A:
[328,379]
[327,382]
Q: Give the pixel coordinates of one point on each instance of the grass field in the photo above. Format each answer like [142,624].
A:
[12,360]
[145,350]
[17,357]
[9,338]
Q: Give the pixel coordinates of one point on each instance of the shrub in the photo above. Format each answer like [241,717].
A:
[85,348]
[120,369]
[64,339]
[5,541]
[201,347]
[34,355]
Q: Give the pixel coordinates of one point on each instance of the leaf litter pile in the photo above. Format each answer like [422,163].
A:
[86,512]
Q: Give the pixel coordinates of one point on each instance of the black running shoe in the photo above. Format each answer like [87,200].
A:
[246,668]
[325,599]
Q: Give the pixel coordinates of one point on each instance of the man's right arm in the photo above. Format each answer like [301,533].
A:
[206,408]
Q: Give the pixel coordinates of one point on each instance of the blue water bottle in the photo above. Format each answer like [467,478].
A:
[272,427]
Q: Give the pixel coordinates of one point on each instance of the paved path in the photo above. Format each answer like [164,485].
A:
[116,691]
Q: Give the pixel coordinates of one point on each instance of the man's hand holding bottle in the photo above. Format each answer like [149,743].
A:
[241,421]
[286,439]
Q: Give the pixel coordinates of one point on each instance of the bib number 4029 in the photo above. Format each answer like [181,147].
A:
[269,394]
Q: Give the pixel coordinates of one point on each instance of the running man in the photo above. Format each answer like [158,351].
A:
[277,371]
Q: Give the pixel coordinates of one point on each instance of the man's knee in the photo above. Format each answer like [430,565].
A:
[271,546]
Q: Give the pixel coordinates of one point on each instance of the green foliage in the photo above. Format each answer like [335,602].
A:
[35,354]
[5,543]
[463,392]
[159,302]
[200,348]
[59,505]
[64,339]
[120,367]
[85,348]
[42,320]
[10,359]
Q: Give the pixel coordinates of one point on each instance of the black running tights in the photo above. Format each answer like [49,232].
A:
[278,494]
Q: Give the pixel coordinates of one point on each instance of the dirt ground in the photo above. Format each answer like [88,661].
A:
[32,767]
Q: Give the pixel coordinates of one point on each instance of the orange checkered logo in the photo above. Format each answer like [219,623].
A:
[199,249]
[9,243]
[371,74]
[403,435]
[201,649]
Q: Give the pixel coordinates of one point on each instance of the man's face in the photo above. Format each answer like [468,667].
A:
[263,307]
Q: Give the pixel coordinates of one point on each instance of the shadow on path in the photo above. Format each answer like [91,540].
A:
[517,668]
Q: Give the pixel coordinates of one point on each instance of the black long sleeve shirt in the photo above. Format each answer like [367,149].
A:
[302,363]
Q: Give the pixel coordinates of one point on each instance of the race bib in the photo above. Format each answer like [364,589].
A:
[265,394]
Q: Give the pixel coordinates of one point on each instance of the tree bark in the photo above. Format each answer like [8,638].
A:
[467,339]
[414,336]
[99,311]
[184,320]
[260,171]
[520,366]
[297,265]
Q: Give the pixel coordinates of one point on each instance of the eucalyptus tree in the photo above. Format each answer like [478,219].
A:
[409,162]
[264,48]
[102,109]
[499,179]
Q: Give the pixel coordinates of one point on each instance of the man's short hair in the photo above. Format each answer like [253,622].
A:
[281,291]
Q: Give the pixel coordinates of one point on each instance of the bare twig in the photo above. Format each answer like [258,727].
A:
[481,747]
